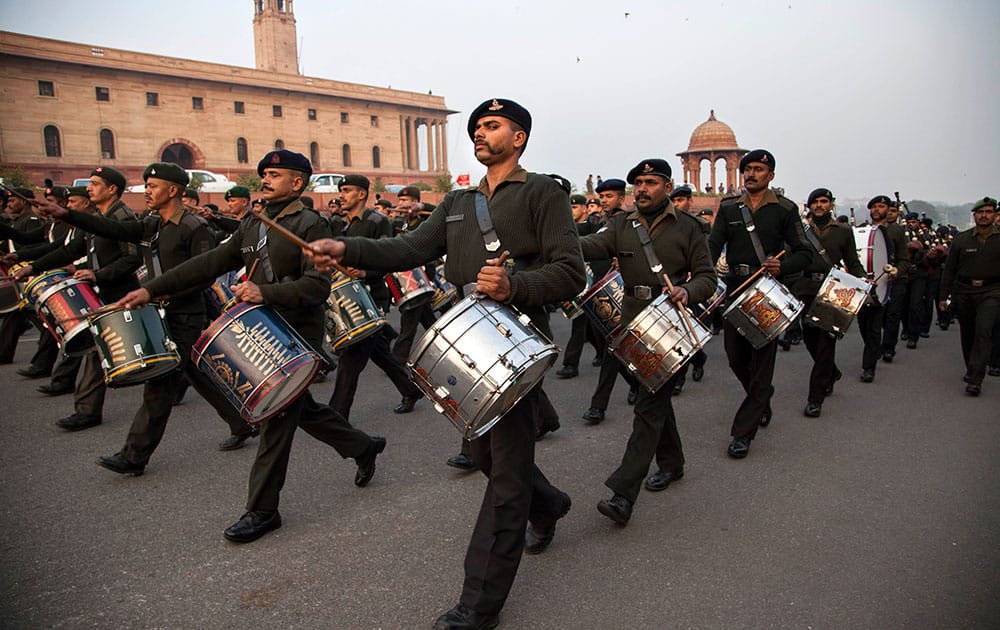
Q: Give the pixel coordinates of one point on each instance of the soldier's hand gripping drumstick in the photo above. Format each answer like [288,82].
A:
[493,279]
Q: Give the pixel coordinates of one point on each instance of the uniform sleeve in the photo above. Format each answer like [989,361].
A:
[62,256]
[117,269]
[406,251]
[950,268]
[719,235]
[600,245]
[703,281]
[801,254]
[202,269]
[312,287]
[130,231]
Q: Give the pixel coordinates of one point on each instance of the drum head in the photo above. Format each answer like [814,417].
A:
[874,254]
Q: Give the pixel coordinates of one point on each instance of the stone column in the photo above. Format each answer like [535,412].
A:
[430,145]
[402,142]
[444,144]
[414,159]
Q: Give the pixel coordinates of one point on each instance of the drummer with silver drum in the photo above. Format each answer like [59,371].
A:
[654,239]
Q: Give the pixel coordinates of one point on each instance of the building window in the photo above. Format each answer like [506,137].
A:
[312,114]
[53,143]
[107,144]
[279,144]
[276,111]
[152,99]
[374,121]
[197,102]
[239,107]
[103,93]
[46,88]
[376,157]
[346,150]
[242,155]
[343,117]
[314,154]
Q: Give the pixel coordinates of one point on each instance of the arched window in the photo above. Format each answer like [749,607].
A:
[279,144]
[107,144]
[53,143]
[376,157]
[242,155]
[347,155]
[314,154]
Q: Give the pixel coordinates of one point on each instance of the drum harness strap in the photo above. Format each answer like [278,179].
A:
[752,231]
[643,292]
[151,253]
[490,238]
[262,254]
[814,241]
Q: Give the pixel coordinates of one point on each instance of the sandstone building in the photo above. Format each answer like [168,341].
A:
[67,107]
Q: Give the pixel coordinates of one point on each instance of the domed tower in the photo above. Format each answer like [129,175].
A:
[274,38]
[712,140]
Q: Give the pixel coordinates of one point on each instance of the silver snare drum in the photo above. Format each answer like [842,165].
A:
[763,311]
[839,299]
[478,360]
[657,343]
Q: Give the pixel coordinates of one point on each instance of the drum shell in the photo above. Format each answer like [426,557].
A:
[603,302]
[478,360]
[351,313]
[873,251]
[763,311]
[64,309]
[41,283]
[571,308]
[838,301]
[446,294]
[10,294]
[657,343]
[704,309]
[409,289]
[256,360]
[220,295]
[134,345]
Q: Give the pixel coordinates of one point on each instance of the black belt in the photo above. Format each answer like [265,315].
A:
[641,291]
[739,271]
[818,277]
[978,282]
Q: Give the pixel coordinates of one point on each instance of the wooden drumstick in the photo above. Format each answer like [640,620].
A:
[503,258]
[291,236]
[253,268]
[755,275]
[684,314]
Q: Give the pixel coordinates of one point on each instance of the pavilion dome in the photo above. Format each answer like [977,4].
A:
[712,134]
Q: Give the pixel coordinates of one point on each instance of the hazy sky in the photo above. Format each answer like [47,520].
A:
[861,97]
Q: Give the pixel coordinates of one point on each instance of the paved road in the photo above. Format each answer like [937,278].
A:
[884,513]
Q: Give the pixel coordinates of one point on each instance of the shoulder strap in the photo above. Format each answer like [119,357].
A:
[752,231]
[647,248]
[486,223]
[814,241]
[262,253]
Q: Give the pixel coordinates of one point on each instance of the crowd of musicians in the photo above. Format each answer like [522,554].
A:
[324,278]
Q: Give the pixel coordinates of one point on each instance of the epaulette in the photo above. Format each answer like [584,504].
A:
[787,203]
[729,198]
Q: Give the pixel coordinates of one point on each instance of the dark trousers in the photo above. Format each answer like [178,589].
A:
[353,360]
[88,399]
[870,326]
[995,353]
[516,492]
[915,306]
[12,326]
[47,353]
[822,347]
[698,360]
[408,320]
[611,367]
[65,371]
[654,433]
[755,370]
[977,315]
[892,316]
[267,476]
[581,331]
[931,291]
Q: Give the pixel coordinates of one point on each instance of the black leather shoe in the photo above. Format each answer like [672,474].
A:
[366,463]
[567,371]
[784,344]
[252,526]
[993,371]
[633,395]
[867,376]
[617,508]
[813,410]
[924,335]
[698,373]
[678,387]
[52,389]
[739,447]
[766,418]
[594,415]
[973,389]
[78,422]
[888,356]
[464,618]
[552,427]
[462,461]
[406,405]
[234,442]
[33,372]
[912,343]
[837,374]
[538,538]
[117,463]
[596,362]
[660,480]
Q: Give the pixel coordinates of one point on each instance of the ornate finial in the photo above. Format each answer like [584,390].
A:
[711,114]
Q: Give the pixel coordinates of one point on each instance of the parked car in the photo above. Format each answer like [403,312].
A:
[210,182]
[325,182]
[394,188]
[81,181]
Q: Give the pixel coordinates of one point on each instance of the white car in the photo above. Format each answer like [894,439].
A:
[325,182]
[210,182]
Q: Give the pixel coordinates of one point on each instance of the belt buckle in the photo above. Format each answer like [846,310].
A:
[743,270]
[642,292]
[977,283]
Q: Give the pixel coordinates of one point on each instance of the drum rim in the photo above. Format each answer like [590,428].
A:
[256,396]
[110,375]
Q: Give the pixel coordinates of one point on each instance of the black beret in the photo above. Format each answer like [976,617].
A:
[680,191]
[168,171]
[77,191]
[982,203]
[927,222]
[308,202]
[191,193]
[239,192]
[356,180]
[383,203]
[819,192]
[758,155]
[503,108]
[879,199]
[111,176]
[563,182]
[286,159]
[578,200]
[611,184]
[24,192]
[911,216]
[594,201]
[706,212]
[653,166]
[409,191]
[59,192]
